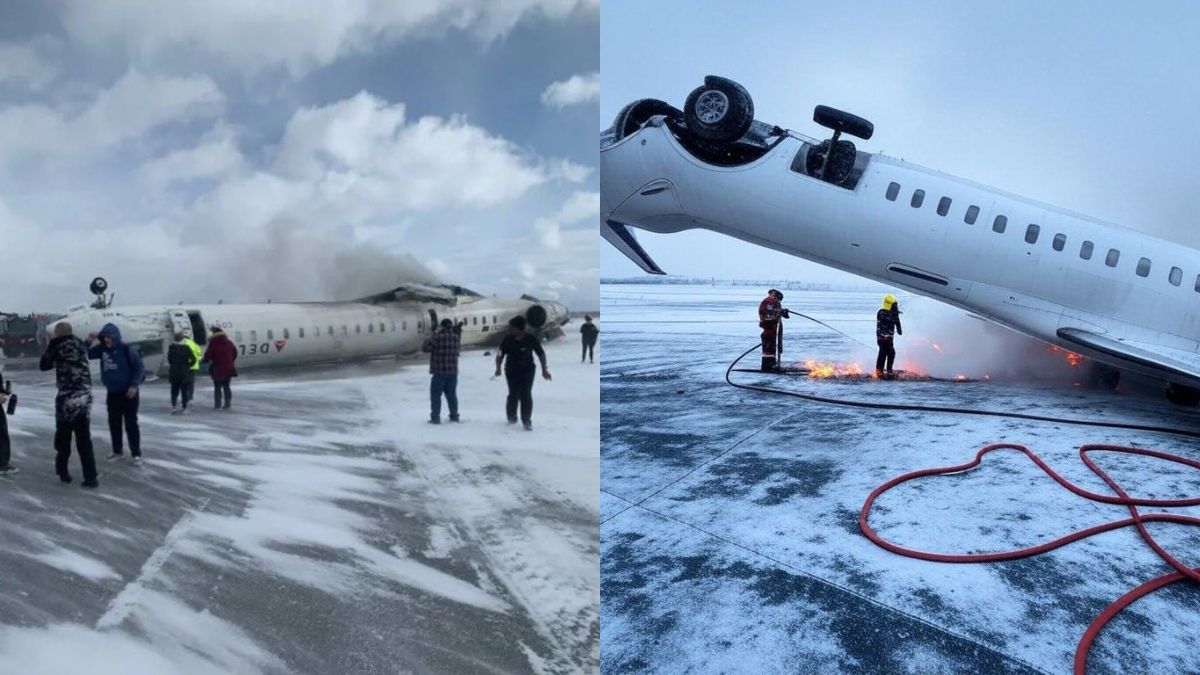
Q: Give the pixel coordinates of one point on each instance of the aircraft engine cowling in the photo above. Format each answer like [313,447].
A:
[535,317]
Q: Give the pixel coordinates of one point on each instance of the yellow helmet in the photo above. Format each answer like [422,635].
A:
[888,301]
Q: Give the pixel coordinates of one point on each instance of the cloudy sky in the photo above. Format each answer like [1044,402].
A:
[1092,106]
[296,150]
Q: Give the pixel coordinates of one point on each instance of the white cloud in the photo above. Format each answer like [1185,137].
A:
[27,64]
[210,159]
[576,90]
[132,106]
[296,35]
[361,151]
[580,206]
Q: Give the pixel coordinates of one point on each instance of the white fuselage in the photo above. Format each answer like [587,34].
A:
[1029,285]
[289,334]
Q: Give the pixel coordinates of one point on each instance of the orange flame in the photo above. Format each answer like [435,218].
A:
[823,371]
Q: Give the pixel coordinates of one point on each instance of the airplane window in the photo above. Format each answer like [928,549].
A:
[493,320]
[357,328]
[1113,256]
[237,337]
[1176,276]
[918,199]
[1031,233]
[301,329]
[474,321]
[1143,267]
[254,336]
[382,328]
[1000,224]
[330,330]
[370,328]
[1085,250]
[1198,283]
[403,325]
[286,334]
[972,214]
[943,206]
[892,191]
[345,330]
[393,326]
[270,334]
[1060,241]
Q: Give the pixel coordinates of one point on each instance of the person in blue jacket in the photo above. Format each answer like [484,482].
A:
[122,372]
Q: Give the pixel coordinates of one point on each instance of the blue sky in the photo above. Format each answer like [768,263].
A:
[1091,106]
[297,150]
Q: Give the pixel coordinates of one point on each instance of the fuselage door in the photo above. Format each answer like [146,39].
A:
[433,321]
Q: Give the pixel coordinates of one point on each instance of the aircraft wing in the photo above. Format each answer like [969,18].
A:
[619,235]
[1175,365]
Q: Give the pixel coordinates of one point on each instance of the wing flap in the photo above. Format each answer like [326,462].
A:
[619,236]
[1175,365]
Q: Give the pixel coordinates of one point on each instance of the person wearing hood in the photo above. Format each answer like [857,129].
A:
[220,354]
[122,372]
[68,357]
[887,326]
[180,359]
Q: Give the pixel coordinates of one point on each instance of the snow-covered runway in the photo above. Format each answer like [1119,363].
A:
[321,526]
[730,518]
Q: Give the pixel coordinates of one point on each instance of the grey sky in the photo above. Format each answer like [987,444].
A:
[1090,106]
[245,151]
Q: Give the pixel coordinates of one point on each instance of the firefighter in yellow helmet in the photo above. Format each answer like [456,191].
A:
[887,326]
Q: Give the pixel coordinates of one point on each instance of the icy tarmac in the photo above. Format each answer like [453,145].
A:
[729,518]
[321,526]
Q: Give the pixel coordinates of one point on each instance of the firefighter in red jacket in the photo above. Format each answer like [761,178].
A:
[770,314]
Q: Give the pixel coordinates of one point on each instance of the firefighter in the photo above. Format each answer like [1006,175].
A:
[887,326]
[770,312]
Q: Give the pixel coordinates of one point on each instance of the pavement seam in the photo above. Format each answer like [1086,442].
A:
[616,496]
[125,601]
[839,587]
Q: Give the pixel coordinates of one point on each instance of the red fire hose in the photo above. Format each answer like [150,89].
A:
[1137,519]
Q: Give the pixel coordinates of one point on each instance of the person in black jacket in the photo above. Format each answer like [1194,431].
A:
[519,347]
[6,467]
[590,332]
[887,326]
[180,360]
[67,355]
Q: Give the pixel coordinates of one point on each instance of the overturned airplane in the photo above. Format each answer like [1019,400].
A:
[389,324]
[1114,295]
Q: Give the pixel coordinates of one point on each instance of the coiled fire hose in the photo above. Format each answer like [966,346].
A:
[1137,519]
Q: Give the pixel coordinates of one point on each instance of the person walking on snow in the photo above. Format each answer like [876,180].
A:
[443,348]
[887,326]
[68,357]
[220,355]
[189,383]
[590,333]
[770,319]
[180,359]
[519,347]
[122,372]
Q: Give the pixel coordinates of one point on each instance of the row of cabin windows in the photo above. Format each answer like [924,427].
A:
[316,331]
[1033,231]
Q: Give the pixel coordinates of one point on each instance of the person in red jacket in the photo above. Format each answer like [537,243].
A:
[220,354]
[770,316]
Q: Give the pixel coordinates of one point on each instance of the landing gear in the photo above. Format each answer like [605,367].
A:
[633,116]
[720,112]
[1181,395]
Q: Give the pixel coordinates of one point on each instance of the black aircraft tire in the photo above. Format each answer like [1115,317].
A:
[634,115]
[720,111]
